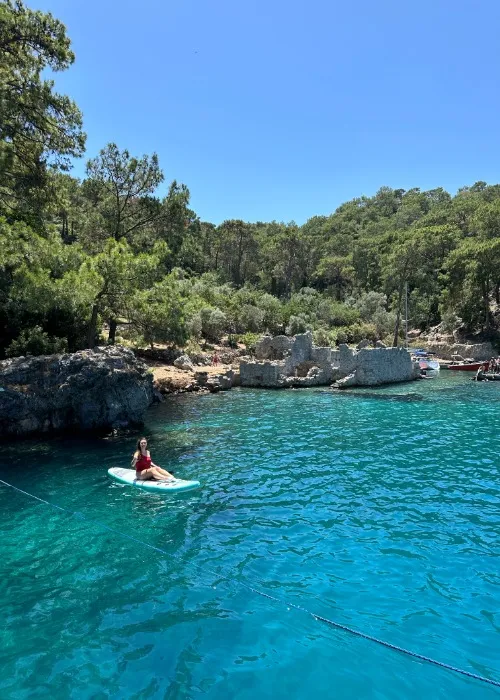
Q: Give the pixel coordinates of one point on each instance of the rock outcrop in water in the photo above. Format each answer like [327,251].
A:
[295,362]
[102,388]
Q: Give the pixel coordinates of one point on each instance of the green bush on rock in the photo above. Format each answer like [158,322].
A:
[34,341]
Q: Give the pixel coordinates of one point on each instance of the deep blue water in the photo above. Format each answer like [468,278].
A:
[378,509]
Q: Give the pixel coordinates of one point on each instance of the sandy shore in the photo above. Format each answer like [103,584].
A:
[170,379]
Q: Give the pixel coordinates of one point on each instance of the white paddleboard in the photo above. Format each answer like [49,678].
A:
[127,476]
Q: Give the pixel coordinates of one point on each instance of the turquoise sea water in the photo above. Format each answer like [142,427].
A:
[378,509]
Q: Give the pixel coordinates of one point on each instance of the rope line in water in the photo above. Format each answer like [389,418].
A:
[315,616]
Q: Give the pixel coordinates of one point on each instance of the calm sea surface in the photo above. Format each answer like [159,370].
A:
[379,509]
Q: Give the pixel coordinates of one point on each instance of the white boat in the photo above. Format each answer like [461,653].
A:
[425,360]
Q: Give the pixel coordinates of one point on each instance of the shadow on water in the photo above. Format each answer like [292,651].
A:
[407,398]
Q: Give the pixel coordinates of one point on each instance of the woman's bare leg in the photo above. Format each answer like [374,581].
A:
[160,474]
[164,472]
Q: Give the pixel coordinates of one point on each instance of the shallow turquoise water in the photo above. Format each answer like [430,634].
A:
[378,509]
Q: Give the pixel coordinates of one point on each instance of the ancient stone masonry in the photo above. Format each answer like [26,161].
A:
[102,388]
[372,367]
[292,362]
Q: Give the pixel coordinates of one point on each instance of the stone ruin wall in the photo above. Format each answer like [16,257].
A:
[288,362]
[372,367]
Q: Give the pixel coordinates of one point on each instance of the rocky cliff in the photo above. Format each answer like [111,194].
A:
[102,388]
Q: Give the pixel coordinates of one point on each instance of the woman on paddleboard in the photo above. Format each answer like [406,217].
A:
[145,468]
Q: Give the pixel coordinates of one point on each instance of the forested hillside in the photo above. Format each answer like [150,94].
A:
[75,255]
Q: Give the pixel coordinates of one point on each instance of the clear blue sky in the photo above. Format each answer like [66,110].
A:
[279,109]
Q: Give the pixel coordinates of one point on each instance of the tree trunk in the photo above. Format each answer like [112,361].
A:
[64,227]
[92,330]
[497,293]
[486,303]
[112,331]
[398,315]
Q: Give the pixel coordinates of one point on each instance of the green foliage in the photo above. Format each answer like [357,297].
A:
[34,341]
[157,314]
[322,338]
[273,313]
[297,324]
[372,309]
[74,255]
[251,318]
[194,326]
[213,323]
[193,347]
[250,340]
[38,126]
[472,269]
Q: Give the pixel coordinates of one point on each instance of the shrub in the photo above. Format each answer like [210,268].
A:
[354,333]
[250,340]
[384,322]
[336,314]
[213,323]
[370,303]
[192,348]
[321,337]
[34,341]
[194,326]
[450,321]
[340,335]
[251,318]
[273,312]
[297,324]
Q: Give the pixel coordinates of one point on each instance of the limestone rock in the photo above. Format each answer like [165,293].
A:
[380,344]
[201,378]
[213,384]
[365,343]
[184,362]
[477,351]
[103,388]
[414,333]
[269,348]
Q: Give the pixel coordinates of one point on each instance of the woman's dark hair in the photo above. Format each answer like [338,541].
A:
[139,443]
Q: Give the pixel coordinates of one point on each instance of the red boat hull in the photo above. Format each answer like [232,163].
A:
[469,367]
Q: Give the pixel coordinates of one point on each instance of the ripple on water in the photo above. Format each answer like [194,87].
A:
[378,509]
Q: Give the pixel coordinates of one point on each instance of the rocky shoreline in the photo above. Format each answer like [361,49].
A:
[104,388]
[111,388]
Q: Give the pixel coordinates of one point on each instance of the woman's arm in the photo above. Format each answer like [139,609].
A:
[134,460]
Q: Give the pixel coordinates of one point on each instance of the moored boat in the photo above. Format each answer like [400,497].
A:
[462,364]
[425,360]
[469,366]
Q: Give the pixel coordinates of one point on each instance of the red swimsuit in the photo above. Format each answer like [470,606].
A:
[142,463]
